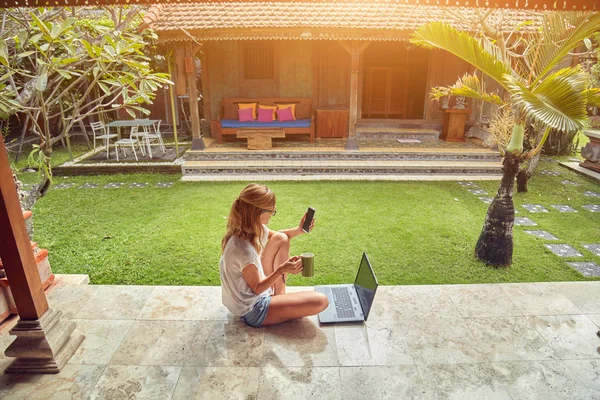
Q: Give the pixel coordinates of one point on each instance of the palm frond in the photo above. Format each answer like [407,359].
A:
[593,96]
[572,76]
[560,34]
[557,102]
[468,86]
[443,36]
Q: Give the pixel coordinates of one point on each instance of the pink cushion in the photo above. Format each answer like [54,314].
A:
[245,115]
[285,114]
[265,115]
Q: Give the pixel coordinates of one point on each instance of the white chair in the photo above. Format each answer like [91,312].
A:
[133,139]
[151,133]
[156,136]
[100,132]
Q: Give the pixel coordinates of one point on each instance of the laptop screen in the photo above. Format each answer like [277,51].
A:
[365,285]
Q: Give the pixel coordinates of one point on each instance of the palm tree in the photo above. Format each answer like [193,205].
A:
[527,67]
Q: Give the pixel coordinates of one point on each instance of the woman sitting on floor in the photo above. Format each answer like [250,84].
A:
[256,261]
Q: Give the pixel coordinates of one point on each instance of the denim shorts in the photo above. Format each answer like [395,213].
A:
[257,315]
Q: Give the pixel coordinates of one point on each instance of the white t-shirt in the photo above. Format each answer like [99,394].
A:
[237,296]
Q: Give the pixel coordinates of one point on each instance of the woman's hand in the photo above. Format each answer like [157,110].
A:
[291,266]
[312,224]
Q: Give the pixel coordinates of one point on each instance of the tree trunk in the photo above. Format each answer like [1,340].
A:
[526,173]
[495,244]
[24,204]
[36,192]
[522,179]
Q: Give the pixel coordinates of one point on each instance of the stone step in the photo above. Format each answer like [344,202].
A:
[400,123]
[339,177]
[71,279]
[397,133]
[317,167]
[455,154]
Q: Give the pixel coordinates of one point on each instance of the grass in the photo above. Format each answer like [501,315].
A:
[59,156]
[414,232]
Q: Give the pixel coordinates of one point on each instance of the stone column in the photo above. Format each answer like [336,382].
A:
[354,49]
[591,151]
[44,341]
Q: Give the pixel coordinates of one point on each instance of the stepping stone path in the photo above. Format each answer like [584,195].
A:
[524,221]
[586,268]
[592,207]
[551,173]
[114,185]
[487,200]
[478,192]
[110,185]
[568,182]
[535,208]
[563,250]
[467,184]
[589,193]
[563,208]
[594,248]
[88,186]
[63,186]
[542,235]
[574,160]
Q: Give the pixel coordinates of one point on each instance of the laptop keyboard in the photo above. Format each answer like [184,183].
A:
[343,304]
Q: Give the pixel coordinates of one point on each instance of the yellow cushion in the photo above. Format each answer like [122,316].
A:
[248,105]
[272,108]
[293,106]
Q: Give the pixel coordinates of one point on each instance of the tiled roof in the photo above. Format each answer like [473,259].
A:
[367,15]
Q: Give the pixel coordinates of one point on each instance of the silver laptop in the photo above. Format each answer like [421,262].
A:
[348,303]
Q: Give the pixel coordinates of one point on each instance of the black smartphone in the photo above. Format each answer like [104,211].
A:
[310,214]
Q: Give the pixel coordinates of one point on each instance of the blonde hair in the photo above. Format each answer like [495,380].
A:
[244,218]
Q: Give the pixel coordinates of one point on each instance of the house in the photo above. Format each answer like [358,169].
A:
[354,58]
[25,283]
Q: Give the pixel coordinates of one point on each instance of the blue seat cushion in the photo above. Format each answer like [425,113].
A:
[234,123]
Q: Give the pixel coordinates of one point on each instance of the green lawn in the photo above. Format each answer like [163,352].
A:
[60,155]
[414,232]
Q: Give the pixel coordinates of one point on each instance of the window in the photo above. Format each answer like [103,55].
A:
[258,61]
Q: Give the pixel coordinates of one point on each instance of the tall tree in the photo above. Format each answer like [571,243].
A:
[60,66]
[528,67]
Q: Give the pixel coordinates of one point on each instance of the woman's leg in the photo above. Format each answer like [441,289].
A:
[295,305]
[276,252]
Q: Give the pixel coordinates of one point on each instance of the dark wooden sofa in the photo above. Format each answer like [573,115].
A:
[304,116]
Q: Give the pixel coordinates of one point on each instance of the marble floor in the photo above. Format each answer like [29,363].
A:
[495,341]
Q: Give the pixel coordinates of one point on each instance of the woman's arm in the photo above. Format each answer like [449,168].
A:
[297,231]
[292,232]
[250,274]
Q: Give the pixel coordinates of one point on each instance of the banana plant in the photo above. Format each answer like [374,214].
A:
[528,66]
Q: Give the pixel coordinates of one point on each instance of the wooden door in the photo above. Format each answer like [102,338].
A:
[331,77]
[377,90]
[386,91]
[398,91]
